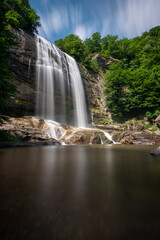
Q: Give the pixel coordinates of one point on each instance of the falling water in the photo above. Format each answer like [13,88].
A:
[60,94]
[78,92]
[29,67]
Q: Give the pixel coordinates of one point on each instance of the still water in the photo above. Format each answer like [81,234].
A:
[79,193]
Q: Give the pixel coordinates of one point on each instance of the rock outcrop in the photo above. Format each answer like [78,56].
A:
[94,89]
[36,131]
[23,60]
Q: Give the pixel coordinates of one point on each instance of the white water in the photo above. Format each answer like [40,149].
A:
[29,67]
[57,131]
[101,139]
[60,94]
[54,130]
[109,137]
[78,93]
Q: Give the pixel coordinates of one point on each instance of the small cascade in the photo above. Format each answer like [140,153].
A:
[29,67]
[60,94]
[54,130]
[109,137]
[78,93]
[101,139]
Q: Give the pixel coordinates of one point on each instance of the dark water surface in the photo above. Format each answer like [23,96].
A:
[79,192]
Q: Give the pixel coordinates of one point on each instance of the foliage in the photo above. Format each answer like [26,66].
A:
[18,13]
[132,85]
[5,136]
[13,14]
[72,45]
[91,64]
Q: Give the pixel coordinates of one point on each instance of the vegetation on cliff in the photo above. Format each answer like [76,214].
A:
[132,84]
[13,14]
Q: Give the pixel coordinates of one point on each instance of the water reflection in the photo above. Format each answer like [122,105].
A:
[79,192]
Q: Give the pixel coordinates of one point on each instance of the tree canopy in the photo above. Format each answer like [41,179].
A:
[132,85]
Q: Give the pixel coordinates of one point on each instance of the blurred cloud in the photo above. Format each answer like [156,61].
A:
[126,18]
[81,31]
[53,20]
[84,31]
[135,17]
[75,13]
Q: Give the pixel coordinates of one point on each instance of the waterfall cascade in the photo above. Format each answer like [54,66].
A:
[60,94]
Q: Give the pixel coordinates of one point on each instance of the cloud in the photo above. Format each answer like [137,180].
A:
[84,31]
[53,21]
[64,18]
[135,17]
[58,19]
[81,31]
[126,18]
[75,13]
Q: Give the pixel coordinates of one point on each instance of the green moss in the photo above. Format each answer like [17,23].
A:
[6,137]
[154,128]
[147,126]
[18,101]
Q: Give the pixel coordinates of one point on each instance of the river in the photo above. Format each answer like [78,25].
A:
[80,193]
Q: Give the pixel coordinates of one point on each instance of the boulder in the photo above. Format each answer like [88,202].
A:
[157,132]
[156,152]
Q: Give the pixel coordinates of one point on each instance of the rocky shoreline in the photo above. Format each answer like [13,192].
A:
[17,132]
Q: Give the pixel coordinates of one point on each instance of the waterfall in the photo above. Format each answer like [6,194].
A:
[60,93]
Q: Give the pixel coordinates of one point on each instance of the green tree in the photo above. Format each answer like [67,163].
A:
[96,38]
[72,45]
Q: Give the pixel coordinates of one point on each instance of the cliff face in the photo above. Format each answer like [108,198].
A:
[94,88]
[23,60]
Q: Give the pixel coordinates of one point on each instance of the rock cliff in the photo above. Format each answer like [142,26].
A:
[94,87]
[23,59]
[23,62]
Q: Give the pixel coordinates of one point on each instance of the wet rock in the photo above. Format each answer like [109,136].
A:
[157,121]
[85,136]
[156,152]
[157,132]
[138,138]
[22,129]
[35,130]
[139,127]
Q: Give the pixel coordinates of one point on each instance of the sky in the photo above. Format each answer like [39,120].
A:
[125,18]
